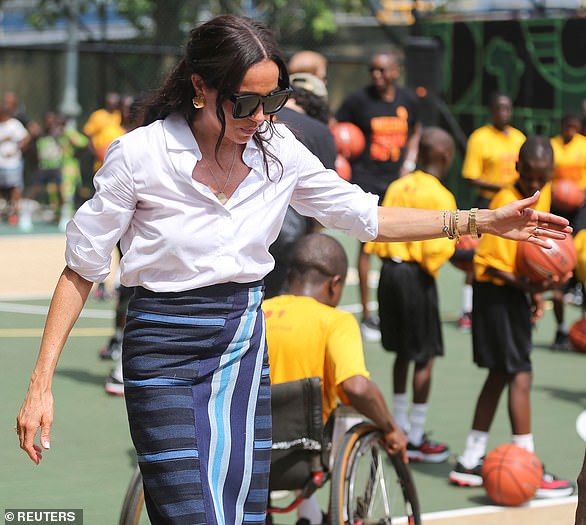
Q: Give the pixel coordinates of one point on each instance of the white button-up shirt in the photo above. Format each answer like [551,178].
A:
[174,233]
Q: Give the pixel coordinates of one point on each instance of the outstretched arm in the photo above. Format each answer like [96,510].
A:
[515,221]
[367,398]
[37,409]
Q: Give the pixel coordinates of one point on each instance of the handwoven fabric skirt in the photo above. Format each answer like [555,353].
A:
[197,391]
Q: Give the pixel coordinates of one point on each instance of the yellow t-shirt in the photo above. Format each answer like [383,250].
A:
[103,127]
[491,156]
[307,338]
[418,190]
[100,119]
[570,159]
[580,244]
[496,252]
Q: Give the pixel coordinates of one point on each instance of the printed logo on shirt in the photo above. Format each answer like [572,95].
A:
[389,136]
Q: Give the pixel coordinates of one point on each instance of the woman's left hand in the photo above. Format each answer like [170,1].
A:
[517,221]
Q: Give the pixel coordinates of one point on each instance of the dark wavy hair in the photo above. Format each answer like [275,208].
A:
[221,51]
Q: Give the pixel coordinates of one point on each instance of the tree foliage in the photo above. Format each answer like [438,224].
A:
[167,21]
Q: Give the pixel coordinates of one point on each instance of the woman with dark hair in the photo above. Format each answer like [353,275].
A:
[196,197]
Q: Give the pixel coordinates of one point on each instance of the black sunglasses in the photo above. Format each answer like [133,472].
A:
[246,104]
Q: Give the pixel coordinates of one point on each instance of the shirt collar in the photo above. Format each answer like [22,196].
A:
[178,137]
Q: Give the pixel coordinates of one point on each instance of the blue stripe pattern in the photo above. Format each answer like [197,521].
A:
[171,454]
[198,402]
[175,319]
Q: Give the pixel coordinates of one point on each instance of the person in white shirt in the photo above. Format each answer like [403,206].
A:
[14,138]
[196,196]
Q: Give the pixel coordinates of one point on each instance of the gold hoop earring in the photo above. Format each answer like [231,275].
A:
[199,101]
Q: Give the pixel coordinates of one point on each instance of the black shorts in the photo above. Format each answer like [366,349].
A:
[409,314]
[501,328]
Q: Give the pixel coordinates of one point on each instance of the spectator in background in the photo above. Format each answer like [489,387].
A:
[74,141]
[489,165]
[407,293]
[14,138]
[11,101]
[569,149]
[306,104]
[388,116]
[48,176]
[99,127]
[505,307]
[310,62]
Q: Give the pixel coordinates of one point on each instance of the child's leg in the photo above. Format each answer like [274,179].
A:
[400,400]
[486,405]
[520,403]
[488,400]
[421,388]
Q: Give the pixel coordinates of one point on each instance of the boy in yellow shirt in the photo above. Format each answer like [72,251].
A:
[407,293]
[569,149]
[501,327]
[308,337]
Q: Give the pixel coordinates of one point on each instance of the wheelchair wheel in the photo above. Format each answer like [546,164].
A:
[133,505]
[368,485]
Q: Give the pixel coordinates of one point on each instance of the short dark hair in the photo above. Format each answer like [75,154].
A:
[318,257]
[536,147]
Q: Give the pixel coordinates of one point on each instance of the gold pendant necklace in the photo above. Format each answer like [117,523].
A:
[221,193]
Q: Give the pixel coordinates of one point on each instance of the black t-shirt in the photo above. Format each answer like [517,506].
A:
[386,127]
[315,135]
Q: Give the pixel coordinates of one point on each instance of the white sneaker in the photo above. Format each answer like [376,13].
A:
[370,329]
[114,386]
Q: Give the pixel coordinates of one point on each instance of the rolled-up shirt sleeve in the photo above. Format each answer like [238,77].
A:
[334,202]
[99,223]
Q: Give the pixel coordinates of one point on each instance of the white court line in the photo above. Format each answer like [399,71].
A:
[493,509]
[34,309]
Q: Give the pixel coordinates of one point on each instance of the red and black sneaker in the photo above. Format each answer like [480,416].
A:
[553,487]
[428,451]
[466,477]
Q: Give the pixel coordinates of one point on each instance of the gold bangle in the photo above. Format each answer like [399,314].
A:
[472,223]
[456,225]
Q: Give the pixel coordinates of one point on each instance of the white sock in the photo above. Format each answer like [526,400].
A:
[310,510]
[417,419]
[400,408]
[524,441]
[467,298]
[117,371]
[476,443]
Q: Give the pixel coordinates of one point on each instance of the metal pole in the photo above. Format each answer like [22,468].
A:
[70,107]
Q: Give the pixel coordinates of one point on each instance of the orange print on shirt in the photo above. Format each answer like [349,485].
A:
[389,136]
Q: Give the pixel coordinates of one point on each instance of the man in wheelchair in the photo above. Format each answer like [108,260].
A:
[309,338]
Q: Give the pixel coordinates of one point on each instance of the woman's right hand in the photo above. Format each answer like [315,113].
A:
[36,411]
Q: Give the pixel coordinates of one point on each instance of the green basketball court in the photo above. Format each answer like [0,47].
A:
[91,457]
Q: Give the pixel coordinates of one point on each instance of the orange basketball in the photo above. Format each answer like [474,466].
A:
[343,167]
[566,196]
[577,335]
[465,248]
[350,141]
[511,475]
[538,264]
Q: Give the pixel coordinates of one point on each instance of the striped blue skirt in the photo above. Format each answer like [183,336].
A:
[197,391]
